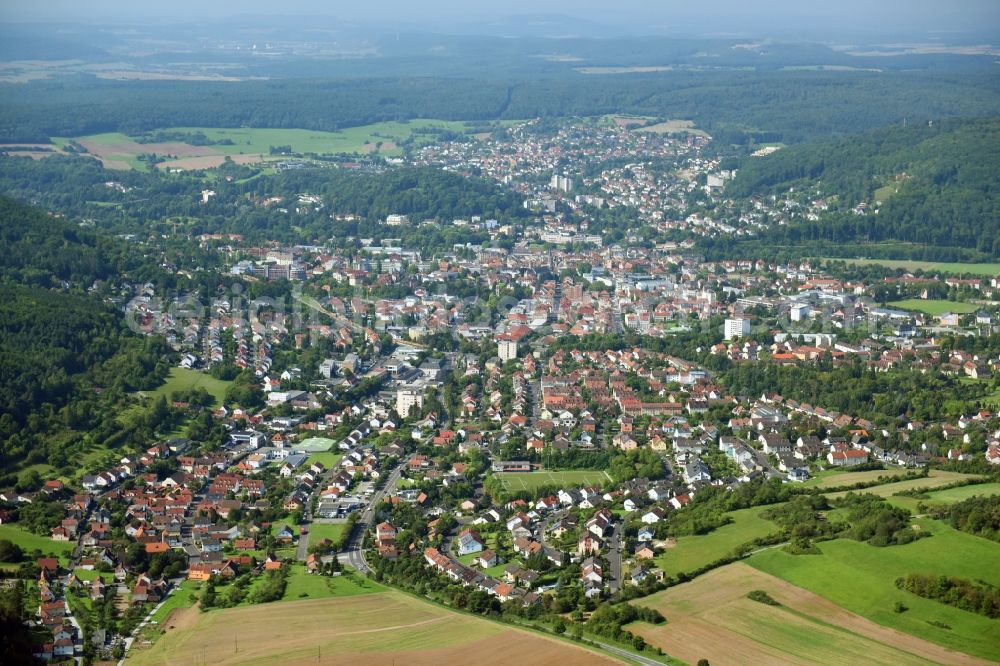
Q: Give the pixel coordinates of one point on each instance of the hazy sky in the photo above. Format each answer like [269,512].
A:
[930,17]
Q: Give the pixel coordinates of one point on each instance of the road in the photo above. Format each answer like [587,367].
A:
[615,559]
[629,656]
[616,316]
[536,399]
[354,555]
[130,639]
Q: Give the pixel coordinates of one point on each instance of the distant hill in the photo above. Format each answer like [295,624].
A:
[934,185]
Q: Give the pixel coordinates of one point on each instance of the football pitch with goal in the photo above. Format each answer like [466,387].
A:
[515,481]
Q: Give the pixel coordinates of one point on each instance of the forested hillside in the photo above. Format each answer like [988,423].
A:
[75,186]
[65,356]
[786,106]
[933,185]
[39,249]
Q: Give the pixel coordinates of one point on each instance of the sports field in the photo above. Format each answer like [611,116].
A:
[860,578]
[693,552]
[515,481]
[373,629]
[711,618]
[933,306]
[185,379]
[316,444]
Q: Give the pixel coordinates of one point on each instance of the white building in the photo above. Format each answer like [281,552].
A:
[507,350]
[562,183]
[406,399]
[737,328]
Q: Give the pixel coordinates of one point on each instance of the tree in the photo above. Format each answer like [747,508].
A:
[10,552]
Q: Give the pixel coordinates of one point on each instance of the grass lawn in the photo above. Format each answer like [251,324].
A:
[934,306]
[988,270]
[712,618]
[90,575]
[304,585]
[320,531]
[365,630]
[179,598]
[29,541]
[693,552]
[185,378]
[328,458]
[952,495]
[947,496]
[885,192]
[514,481]
[861,578]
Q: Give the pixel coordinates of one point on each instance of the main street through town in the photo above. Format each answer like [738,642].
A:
[354,553]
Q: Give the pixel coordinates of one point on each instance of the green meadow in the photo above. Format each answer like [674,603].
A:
[934,306]
[694,552]
[860,578]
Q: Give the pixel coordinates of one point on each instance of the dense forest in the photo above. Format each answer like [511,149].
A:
[39,249]
[75,186]
[65,355]
[938,182]
[62,355]
[788,106]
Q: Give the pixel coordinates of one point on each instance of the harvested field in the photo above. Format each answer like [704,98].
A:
[628,121]
[673,127]
[373,629]
[180,149]
[711,618]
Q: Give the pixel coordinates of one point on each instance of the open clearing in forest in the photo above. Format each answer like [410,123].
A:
[712,618]
[185,379]
[956,268]
[250,145]
[373,629]
[673,127]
